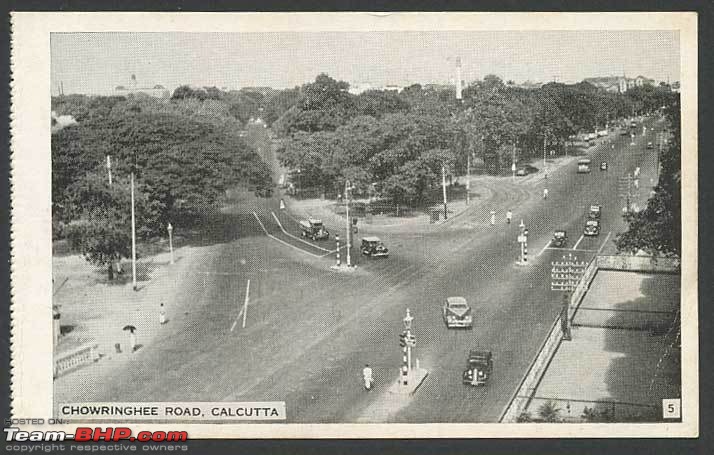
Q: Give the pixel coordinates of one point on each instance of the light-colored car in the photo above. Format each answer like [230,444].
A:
[592,228]
[457,313]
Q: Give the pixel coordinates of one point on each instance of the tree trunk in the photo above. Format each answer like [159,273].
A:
[110,271]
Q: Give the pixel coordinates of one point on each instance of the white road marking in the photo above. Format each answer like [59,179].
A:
[544,248]
[295,237]
[604,243]
[578,242]
[282,241]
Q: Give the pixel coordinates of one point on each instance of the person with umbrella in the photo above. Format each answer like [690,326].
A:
[132,336]
[162,314]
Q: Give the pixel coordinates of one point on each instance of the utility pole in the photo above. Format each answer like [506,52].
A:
[109,168]
[348,192]
[523,241]
[545,169]
[468,178]
[133,236]
[443,186]
[170,229]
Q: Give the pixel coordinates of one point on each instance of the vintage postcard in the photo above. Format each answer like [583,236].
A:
[354,225]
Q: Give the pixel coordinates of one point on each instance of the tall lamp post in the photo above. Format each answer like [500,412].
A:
[171,243]
[348,192]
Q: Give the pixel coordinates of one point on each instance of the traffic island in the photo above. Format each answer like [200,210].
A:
[344,268]
[414,379]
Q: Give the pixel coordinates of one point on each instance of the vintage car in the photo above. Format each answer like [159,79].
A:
[560,239]
[594,212]
[592,228]
[373,247]
[479,368]
[603,166]
[650,145]
[457,313]
[314,229]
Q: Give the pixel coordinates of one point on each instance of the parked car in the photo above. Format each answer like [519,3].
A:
[560,239]
[592,228]
[479,368]
[594,212]
[314,229]
[373,247]
[457,313]
[603,166]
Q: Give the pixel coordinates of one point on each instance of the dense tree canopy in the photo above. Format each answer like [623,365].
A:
[184,152]
[657,229]
[380,136]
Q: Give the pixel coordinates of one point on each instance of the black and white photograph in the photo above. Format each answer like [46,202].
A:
[375,225]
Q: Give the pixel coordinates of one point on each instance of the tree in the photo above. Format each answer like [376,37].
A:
[656,230]
[549,411]
[101,228]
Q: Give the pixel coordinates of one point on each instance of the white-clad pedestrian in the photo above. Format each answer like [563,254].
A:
[509,215]
[162,314]
[132,340]
[493,217]
[545,193]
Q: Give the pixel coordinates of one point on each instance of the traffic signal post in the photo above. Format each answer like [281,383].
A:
[523,241]
[410,376]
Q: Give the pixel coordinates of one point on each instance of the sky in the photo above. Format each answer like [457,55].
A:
[95,63]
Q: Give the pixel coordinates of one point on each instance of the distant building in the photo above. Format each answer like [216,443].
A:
[157,91]
[359,87]
[618,84]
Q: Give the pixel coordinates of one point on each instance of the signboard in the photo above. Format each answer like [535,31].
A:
[522,238]
[513,167]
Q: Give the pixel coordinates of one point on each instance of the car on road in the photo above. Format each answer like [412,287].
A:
[314,229]
[373,247]
[583,166]
[522,171]
[560,239]
[594,212]
[592,228]
[457,313]
[479,368]
[603,166]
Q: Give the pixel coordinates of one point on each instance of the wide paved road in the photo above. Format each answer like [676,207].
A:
[311,330]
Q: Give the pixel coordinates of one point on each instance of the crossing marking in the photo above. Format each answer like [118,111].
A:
[582,236]
[604,243]
[544,248]
[282,241]
[295,237]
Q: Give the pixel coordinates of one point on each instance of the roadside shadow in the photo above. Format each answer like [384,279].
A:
[645,331]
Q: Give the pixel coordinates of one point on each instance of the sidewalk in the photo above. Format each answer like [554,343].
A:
[95,310]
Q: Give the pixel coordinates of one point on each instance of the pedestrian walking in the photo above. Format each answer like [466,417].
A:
[493,217]
[509,215]
[162,314]
[545,193]
[367,377]
[132,340]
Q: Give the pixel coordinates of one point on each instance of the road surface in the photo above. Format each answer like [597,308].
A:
[311,330]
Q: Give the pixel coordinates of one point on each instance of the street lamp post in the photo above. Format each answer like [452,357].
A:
[171,242]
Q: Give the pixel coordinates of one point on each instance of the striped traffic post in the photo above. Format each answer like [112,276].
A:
[337,240]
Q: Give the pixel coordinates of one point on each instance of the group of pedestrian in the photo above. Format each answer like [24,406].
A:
[509,213]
